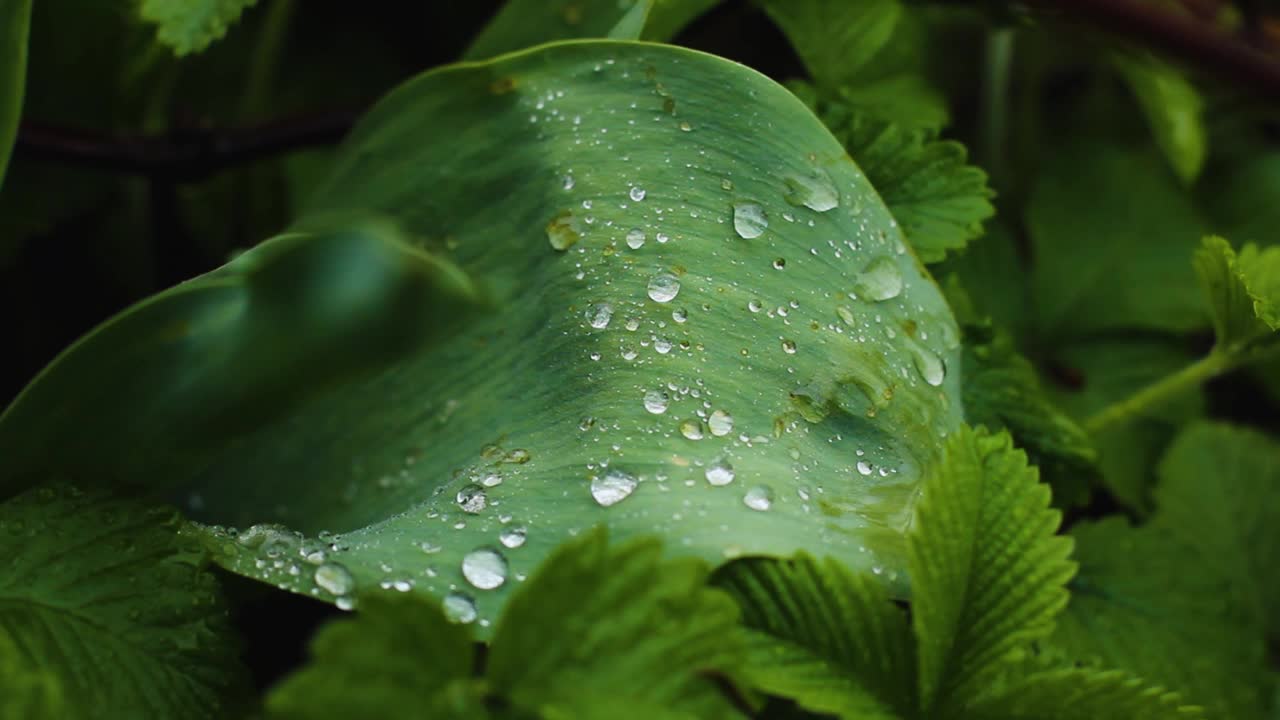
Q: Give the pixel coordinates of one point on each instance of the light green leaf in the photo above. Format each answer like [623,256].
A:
[27,692]
[1111,232]
[98,594]
[583,366]
[1142,602]
[398,652]
[1173,109]
[525,23]
[987,571]
[189,26]
[835,38]
[1084,694]
[1243,291]
[601,627]
[824,637]
[15,25]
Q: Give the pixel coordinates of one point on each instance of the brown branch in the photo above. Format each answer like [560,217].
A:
[179,156]
[1197,43]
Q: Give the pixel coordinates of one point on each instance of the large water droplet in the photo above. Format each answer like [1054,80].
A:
[599,315]
[635,238]
[656,401]
[719,473]
[813,190]
[484,568]
[664,287]
[929,365]
[613,488]
[637,194]
[471,498]
[334,578]
[691,429]
[459,608]
[720,422]
[749,220]
[513,537]
[879,280]
[864,467]
[759,497]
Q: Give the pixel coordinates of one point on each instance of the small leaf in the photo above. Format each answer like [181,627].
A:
[98,594]
[1084,694]
[1243,291]
[189,26]
[1173,108]
[824,637]
[668,17]
[835,38]
[525,23]
[987,571]
[15,25]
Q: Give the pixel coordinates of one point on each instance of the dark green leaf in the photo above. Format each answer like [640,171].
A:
[1084,694]
[835,38]
[524,23]
[1240,198]
[1173,109]
[669,17]
[15,23]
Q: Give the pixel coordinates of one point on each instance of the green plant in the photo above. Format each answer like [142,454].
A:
[600,376]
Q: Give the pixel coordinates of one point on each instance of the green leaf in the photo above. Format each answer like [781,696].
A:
[824,637]
[994,279]
[1142,602]
[668,17]
[1084,694]
[602,629]
[1243,291]
[1173,109]
[15,25]
[98,594]
[398,652]
[27,692]
[1111,231]
[987,571]
[329,415]
[834,38]
[189,26]
[1239,197]
[524,23]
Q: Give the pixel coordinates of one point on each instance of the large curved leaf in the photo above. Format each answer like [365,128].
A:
[707,326]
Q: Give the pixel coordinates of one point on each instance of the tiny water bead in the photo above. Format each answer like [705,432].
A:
[614,487]
[637,194]
[334,578]
[664,287]
[814,190]
[635,238]
[759,498]
[720,423]
[472,498]
[459,608]
[749,220]
[599,315]
[719,473]
[879,280]
[484,568]
[513,537]
[656,401]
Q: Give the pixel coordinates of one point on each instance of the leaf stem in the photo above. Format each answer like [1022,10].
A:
[998,59]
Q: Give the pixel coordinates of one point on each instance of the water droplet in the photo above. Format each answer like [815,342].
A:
[637,194]
[749,220]
[814,190]
[513,537]
[484,568]
[586,423]
[561,233]
[459,608]
[685,126]
[568,182]
[334,578]
[929,365]
[691,429]
[662,345]
[759,497]
[656,401]
[635,238]
[613,488]
[680,315]
[720,422]
[779,263]
[472,499]
[726,184]
[518,456]
[864,467]
[879,280]
[663,287]
[846,315]
[599,315]
[719,473]
[789,347]
[490,480]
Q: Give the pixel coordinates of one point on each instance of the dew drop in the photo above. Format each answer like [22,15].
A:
[635,238]
[656,401]
[779,263]
[879,280]
[929,366]
[334,578]
[759,498]
[680,315]
[789,347]
[471,498]
[846,315]
[561,232]
[459,608]
[568,182]
[663,287]
[720,422]
[637,194]
[691,429]
[513,537]
[491,479]
[599,315]
[484,568]
[719,473]
[864,467]
[749,220]
[613,488]
[814,191]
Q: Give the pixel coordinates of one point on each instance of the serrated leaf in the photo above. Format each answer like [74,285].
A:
[189,26]
[1243,291]
[1142,602]
[615,626]
[15,25]
[1173,109]
[987,571]
[835,38]
[415,457]
[99,594]
[398,652]
[524,23]
[1111,231]
[824,637]
[1084,694]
